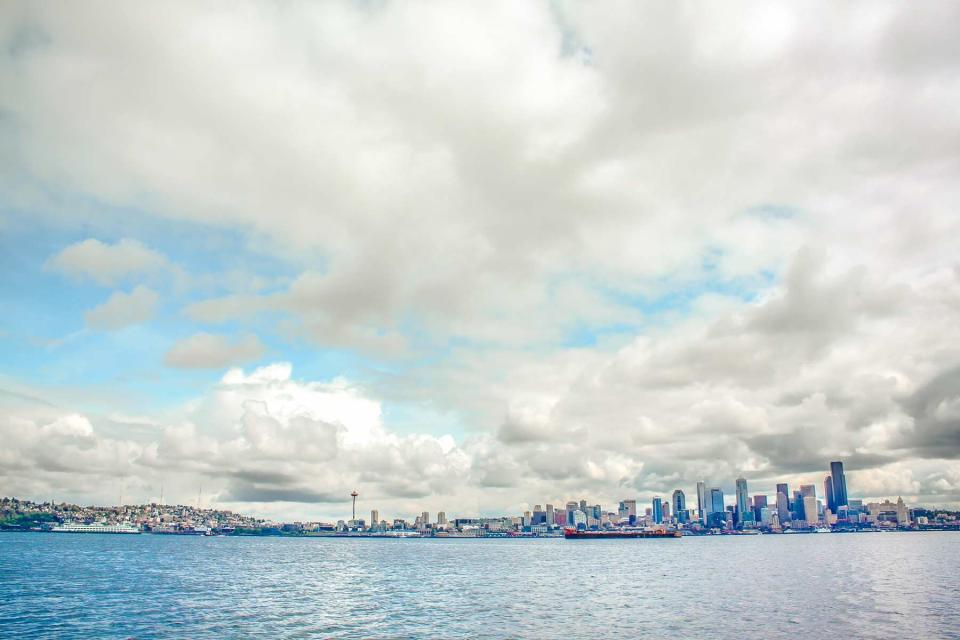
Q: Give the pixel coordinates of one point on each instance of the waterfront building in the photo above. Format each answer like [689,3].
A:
[759,502]
[888,513]
[716,501]
[807,504]
[539,515]
[717,520]
[595,512]
[702,506]
[657,510]
[783,505]
[628,511]
[679,505]
[744,513]
[839,485]
[796,506]
[810,511]
[579,519]
[766,516]
[571,510]
[785,490]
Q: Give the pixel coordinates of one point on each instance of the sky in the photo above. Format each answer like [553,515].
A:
[474,257]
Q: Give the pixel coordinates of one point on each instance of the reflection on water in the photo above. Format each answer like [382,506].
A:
[865,585]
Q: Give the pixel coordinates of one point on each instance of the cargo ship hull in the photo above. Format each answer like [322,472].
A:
[571,534]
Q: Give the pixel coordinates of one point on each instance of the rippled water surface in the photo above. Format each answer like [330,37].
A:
[890,585]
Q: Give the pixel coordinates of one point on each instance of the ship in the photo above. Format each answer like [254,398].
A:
[574,534]
[97,527]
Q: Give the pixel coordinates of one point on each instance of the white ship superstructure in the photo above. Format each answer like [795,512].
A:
[96,527]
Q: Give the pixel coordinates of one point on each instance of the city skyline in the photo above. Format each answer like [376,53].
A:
[675,502]
[472,253]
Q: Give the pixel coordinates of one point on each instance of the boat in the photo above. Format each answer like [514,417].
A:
[575,534]
[96,527]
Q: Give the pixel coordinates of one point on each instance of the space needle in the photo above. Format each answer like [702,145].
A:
[354,494]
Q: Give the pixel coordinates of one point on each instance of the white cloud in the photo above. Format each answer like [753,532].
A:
[107,264]
[255,438]
[123,309]
[208,351]
[621,146]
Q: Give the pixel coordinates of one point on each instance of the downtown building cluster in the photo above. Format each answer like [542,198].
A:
[802,509]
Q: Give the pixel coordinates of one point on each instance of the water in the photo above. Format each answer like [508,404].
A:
[887,585]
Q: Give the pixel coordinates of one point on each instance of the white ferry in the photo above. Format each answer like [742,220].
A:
[97,527]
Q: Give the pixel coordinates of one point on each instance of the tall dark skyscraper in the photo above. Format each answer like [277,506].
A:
[839,484]
[679,506]
[744,512]
[703,507]
[828,492]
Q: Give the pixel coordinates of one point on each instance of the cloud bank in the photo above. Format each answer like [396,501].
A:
[564,250]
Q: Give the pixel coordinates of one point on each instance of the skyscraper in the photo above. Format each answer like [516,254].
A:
[716,517]
[839,484]
[759,503]
[744,513]
[797,505]
[828,494]
[657,512]
[716,500]
[551,518]
[441,518]
[679,506]
[374,518]
[783,504]
[539,515]
[810,510]
[808,500]
[572,508]
[785,490]
[702,506]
